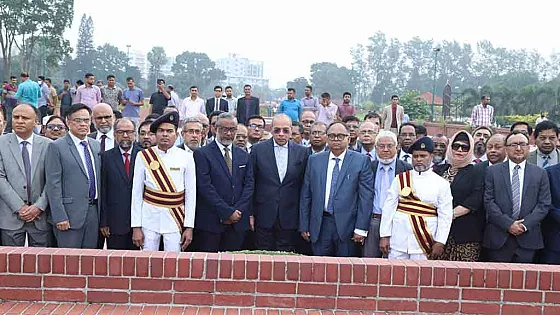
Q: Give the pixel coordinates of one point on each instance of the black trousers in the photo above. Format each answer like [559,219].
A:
[276,238]
[122,242]
[511,252]
[229,240]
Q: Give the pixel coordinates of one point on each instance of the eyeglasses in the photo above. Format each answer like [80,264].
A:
[107,117]
[281,130]
[463,147]
[255,126]
[368,132]
[240,136]
[228,130]
[57,127]
[522,145]
[123,132]
[308,122]
[82,120]
[204,126]
[440,145]
[318,133]
[385,146]
[192,131]
[337,136]
[352,127]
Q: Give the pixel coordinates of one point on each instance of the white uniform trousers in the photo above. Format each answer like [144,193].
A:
[395,254]
[171,241]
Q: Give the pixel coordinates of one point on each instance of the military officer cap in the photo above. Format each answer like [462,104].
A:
[171,118]
[422,144]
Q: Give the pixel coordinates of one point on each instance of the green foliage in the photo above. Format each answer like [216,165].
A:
[157,59]
[328,77]
[110,60]
[192,68]
[299,84]
[415,107]
[85,51]
[530,119]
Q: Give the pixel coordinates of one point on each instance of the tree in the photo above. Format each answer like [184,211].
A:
[109,60]
[415,107]
[328,77]
[299,85]
[192,68]
[157,59]
[85,51]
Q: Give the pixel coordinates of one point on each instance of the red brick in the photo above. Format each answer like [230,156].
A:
[19,308]
[276,287]
[464,277]
[20,281]
[226,266]
[72,265]
[319,271]
[197,265]
[193,285]
[357,290]
[265,268]
[478,277]
[239,267]
[398,275]
[481,294]
[278,270]
[332,273]
[510,309]
[372,274]
[306,272]
[451,276]
[396,305]
[14,262]
[292,271]
[275,301]
[43,262]
[86,265]
[64,295]
[100,265]
[439,293]
[58,264]
[359,272]
[107,297]
[20,294]
[193,298]
[212,265]
[64,282]
[522,296]
[356,304]
[345,268]
[150,284]
[438,276]
[438,307]
[108,283]
[32,309]
[235,286]
[552,297]
[234,300]
[316,289]
[398,292]
[551,310]
[150,297]
[170,266]
[545,282]
[316,303]
[504,278]
[252,267]
[129,266]
[115,265]
[156,267]
[184,267]
[412,275]
[517,279]
[491,280]
[425,276]
[142,266]
[530,279]
[29,262]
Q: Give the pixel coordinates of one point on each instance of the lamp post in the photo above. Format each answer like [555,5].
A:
[436,51]
[128,55]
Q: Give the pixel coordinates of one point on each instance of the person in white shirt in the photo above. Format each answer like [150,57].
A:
[103,120]
[232,101]
[192,105]
[175,99]
[417,214]
[163,191]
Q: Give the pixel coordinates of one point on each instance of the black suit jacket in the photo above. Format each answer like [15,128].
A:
[247,108]
[273,199]
[116,191]
[400,167]
[93,135]
[535,205]
[211,102]
[467,190]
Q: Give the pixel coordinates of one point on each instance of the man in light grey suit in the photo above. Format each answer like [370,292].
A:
[73,177]
[23,200]
[336,198]
[517,199]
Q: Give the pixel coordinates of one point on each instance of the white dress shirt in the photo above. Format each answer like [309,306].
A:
[81,151]
[553,158]
[190,108]
[372,154]
[129,154]
[109,141]
[430,188]
[521,173]
[330,169]
[221,147]
[402,155]
[181,168]
[281,157]
[29,147]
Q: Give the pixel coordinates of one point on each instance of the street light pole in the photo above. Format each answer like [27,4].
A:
[436,51]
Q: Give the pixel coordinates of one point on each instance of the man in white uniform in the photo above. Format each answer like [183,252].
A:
[416,217]
[163,191]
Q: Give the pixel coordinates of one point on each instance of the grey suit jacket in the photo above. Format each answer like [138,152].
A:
[13,190]
[532,158]
[387,116]
[535,204]
[67,181]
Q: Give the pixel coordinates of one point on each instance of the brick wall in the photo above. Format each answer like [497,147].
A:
[29,274]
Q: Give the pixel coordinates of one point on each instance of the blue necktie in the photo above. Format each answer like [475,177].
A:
[545,162]
[336,170]
[89,167]
[515,192]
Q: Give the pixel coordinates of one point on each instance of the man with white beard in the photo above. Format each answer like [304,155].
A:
[418,211]
[103,119]
[384,168]
[440,149]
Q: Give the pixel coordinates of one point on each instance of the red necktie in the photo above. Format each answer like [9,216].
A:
[127,164]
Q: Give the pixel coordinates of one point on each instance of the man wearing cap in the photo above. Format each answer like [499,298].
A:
[416,217]
[163,191]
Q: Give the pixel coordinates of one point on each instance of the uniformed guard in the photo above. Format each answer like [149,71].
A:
[163,191]
[417,214]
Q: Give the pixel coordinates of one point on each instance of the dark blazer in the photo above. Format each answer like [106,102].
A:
[93,135]
[551,224]
[219,194]
[274,199]
[400,167]
[358,147]
[353,198]
[116,191]
[467,190]
[247,108]
[309,150]
[210,105]
[535,204]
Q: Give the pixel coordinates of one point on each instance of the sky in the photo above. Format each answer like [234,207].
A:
[290,35]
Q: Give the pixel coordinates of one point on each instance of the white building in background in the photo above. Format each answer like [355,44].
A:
[139,59]
[242,70]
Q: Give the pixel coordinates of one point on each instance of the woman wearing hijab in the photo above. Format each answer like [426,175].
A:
[467,229]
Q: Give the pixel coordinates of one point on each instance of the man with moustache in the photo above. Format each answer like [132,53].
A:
[146,137]
[407,136]
[417,214]
[103,119]
[117,172]
[307,119]
[495,152]
[318,138]
[368,133]
[163,191]
[384,168]
[297,131]
[241,137]
[192,131]
[440,149]
[546,139]
[353,124]
[480,136]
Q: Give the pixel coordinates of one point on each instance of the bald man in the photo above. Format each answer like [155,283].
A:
[103,120]
[205,128]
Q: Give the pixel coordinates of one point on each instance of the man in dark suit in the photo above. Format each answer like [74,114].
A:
[353,124]
[517,199]
[551,225]
[73,178]
[336,198]
[103,120]
[387,166]
[117,172]
[224,181]
[216,103]
[247,105]
[278,168]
